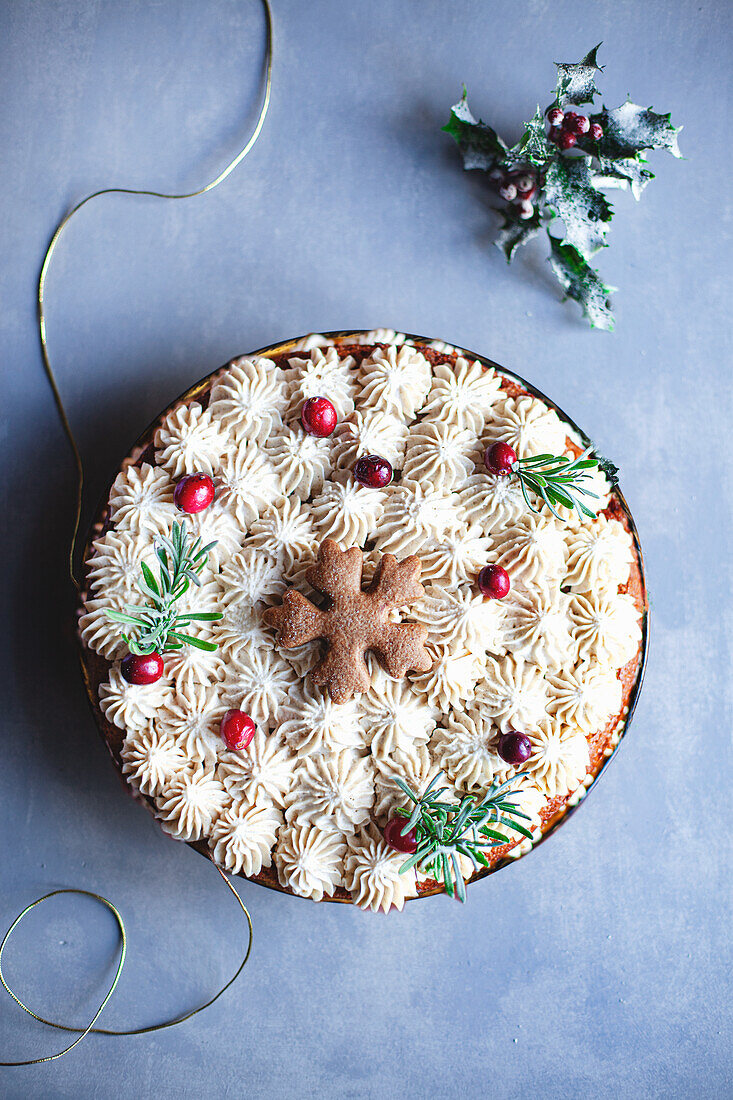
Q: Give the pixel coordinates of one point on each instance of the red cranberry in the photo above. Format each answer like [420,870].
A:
[508,192]
[395,839]
[566,140]
[596,131]
[318,416]
[373,471]
[142,668]
[493,581]
[576,124]
[500,458]
[194,492]
[554,134]
[515,748]
[237,730]
[555,116]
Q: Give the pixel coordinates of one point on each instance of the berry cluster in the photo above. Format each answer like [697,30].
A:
[567,126]
[517,188]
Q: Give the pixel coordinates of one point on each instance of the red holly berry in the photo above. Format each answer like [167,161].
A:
[515,748]
[525,185]
[394,837]
[237,730]
[142,668]
[500,458]
[575,124]
[318,416]
[194,492]
[555,116]
[554,134]
[526,209]
[508,192]
[493,581]
[596,131]
[566,140]
[373,471]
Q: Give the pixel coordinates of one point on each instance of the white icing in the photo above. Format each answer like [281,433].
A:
[259,684]
[559,759]
[311,723]
[151,759]
[452,676]
[532,549]
[239,631]
[114,567]
[466,749]
[190,666]
[141,499]
[332,791]
[246,484]
[242,838]
[605,626]
[309,859]
[99,632]
[514,693]
[301,461]
[217,524]
[585,697]
[536,625]
[372,872]
[599,556]
[192,716]
[347,511]
[189,442]
[131,706]
[395,379]
[455,559]
[286,532]
[527,425]
[261,773]
[463,394]
[323,374]
[493,501]
[371,431]
[252,576]
[461,617]
[249,397]
[395,716]
[414,765]
[413,515]
[190,804]
[439,454]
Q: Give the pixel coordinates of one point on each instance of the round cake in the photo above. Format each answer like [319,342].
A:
[364,617]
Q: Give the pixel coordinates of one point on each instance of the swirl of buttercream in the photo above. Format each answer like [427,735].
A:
[466,749]
[141,499]
[438,453]
[414,514]
[311,722]
[246,483]
[414,765]
[189,441]
[240,630]
[309,859]
[131,706]
[219,525]
[536,624]
[347,511]
[260,774]
[313,340]
[250,397]
[151,759]
[372,872]
[98,632]
[599,555]
[259,683]
[455,559]
[192,716]
[463,394]
[336,790]
[286,531]
[301,461]
[559,759]
[586,696]
[381,336]
[395,379]
[461,618]
[190,804]
[190,666]
[323,374]
[493,501]
[113,571]
[369,431]
[452,677]
[513,692]
[531,549]
[395,716]
[242,837]
[252,576]
[526,424]
[606,626]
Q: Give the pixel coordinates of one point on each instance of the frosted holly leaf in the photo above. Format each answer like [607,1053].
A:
[479,144]
[581,283]
[585,211]
[576,83]
[630,173]
[533,147]
[516,231]
[630,128]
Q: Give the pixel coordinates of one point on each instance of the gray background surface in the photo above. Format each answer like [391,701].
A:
[600,965]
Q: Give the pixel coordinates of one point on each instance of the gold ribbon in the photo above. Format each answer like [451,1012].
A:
[91,1029]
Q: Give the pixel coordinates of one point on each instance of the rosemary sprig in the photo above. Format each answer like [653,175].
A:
[557,479]
[446,830]
[159,626]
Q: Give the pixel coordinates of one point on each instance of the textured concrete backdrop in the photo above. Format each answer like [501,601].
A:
[599,966]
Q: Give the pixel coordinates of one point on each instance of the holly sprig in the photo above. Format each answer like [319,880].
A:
[566,186]
[448,829]
[159,626]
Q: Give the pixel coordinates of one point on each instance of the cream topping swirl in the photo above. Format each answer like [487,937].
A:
[242,837]
[332,791]
[309,859]
[191,803]
[322,374]
[189,441]
[249,397]
[141,499]
[260,774]
[301,461]
[286,532]
[131,706]
[439,453]
[560,757]
[599,555]
[514,693]
[347,511]
[413,514]
[396,379]
[463,394]
[466,749]
[395,716]
[536,624]
[192,716]
[151,759]
[531,549]
[585,697]
[246,483]
[370,431]
[461,618]
[605,626]
[372,872]
[527,425]
[455,559]
[493,501]
[259,684]
[311,723]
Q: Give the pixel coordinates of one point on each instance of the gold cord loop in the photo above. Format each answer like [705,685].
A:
[57,236]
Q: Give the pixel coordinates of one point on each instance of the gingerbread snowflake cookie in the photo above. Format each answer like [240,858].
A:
[357,619]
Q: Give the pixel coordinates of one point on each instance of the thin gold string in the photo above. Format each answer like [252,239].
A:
[90,1029]
[52,248]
